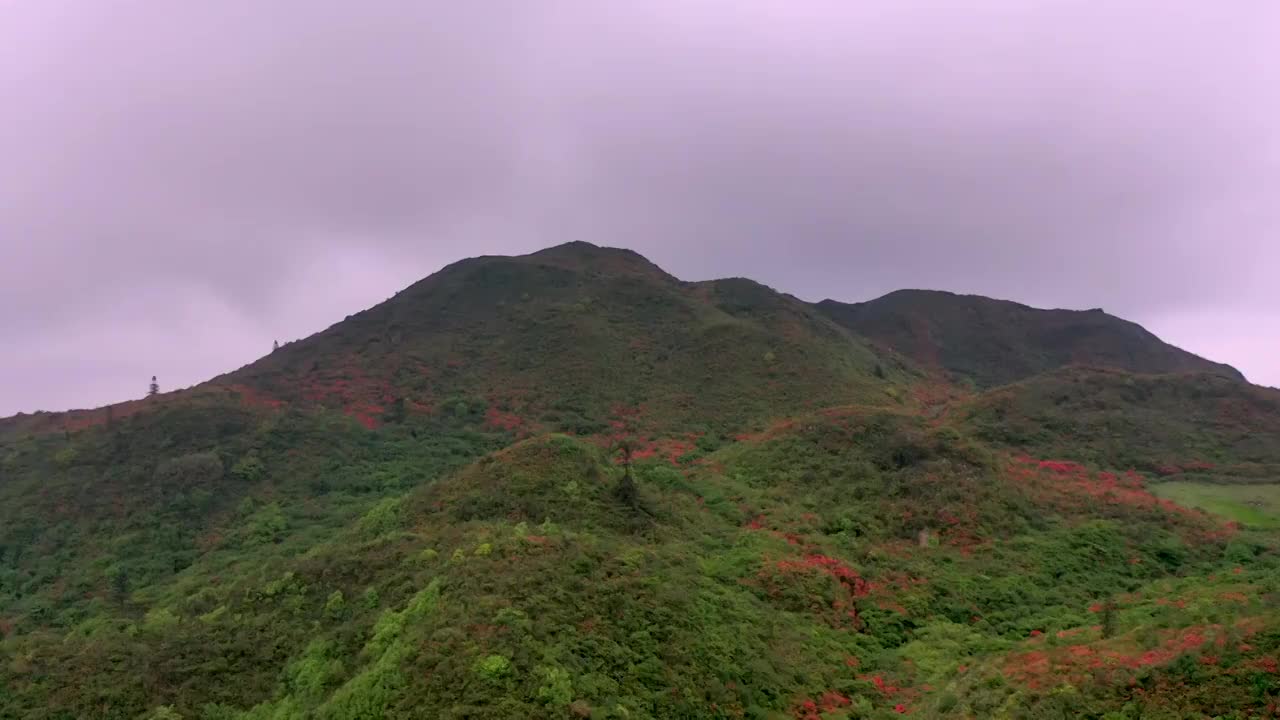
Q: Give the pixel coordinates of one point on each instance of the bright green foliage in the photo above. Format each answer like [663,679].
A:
[249,468]
[557,687]
[160,620]
[371,691]
[313,672]
[66,457]
[163,712]
[1254,505]
[267,525]
[493,667]
[382,518]
[336,605]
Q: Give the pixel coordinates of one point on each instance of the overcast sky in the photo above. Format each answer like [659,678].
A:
[183,182]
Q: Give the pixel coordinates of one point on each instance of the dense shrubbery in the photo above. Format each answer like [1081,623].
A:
[780,575]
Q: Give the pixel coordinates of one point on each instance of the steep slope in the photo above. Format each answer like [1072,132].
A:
[993,342]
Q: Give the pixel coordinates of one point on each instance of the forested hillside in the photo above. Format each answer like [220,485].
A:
[570,485]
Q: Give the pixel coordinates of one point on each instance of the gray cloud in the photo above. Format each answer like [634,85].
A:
[184,182]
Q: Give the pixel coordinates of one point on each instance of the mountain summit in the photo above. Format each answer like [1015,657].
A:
[569,332]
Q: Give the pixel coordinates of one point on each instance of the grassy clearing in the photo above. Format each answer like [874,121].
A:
[1252,505]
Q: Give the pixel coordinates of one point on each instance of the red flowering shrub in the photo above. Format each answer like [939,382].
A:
[832,700]
[1071,488]
[810,709]
[499,420]
[1083,663]
[815,583]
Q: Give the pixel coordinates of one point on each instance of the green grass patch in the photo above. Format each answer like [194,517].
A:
[1253,505]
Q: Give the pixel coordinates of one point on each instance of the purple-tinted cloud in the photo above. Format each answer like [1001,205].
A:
[185,182]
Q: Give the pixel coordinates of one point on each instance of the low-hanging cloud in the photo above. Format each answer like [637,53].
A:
[185,182]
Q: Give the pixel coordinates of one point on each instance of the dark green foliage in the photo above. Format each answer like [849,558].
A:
[1108,619]
[397,413]
[626,490]
[993,342]
[558,338]
[1203,426]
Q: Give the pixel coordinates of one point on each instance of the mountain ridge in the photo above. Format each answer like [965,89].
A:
[474,328]
[993,342]
[864,319]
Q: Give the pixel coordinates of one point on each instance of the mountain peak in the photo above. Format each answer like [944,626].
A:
[582,255]
[575,246]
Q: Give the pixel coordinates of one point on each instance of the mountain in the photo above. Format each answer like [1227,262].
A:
[570,485]
[554,341]
[994,342]
[564,334]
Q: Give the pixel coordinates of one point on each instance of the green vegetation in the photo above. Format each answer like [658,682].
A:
[988,342]
[571,486]
[1173,426]
[1256,506]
